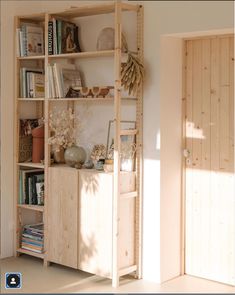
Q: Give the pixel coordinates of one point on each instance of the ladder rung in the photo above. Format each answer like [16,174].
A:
[129,195]
[128,132]
[126,270]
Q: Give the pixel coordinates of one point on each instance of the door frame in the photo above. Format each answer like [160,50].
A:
[183,164]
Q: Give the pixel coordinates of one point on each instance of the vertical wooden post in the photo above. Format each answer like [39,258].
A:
[16,142]
[183,167]
[139,152]
[46,148]
[116,174]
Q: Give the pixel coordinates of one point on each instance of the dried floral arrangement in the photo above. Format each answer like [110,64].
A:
[128,150]
[98,152]
[132,74]
[61,123]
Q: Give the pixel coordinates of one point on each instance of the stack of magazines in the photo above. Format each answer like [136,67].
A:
[32,237]
[29,40]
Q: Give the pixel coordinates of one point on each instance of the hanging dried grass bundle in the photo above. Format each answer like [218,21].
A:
[132,74]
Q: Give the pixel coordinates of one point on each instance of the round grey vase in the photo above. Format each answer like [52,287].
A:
[75,156]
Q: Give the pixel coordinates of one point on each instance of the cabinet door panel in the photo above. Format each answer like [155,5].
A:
[95,222]
[62,216]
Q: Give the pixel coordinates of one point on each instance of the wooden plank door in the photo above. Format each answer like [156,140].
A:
[62,218]
[209,181]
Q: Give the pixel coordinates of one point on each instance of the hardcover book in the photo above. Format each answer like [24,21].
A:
[34,36]
[69,38]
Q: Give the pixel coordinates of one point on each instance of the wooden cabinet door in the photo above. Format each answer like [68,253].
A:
[95,222]
[63,216]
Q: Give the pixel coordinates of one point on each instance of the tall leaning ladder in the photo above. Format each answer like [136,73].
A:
[117,196]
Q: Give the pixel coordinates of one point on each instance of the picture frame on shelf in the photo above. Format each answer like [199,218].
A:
[128,146]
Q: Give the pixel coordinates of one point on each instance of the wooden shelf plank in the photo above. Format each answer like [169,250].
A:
[129,195]
[81,99]
[31,207]
[31,57]
[86,10]
[128,132]
[31,165]
[28,252]
[31,99]
[89,10]
[34,16]
[127,270]
[83,54]
[130,7]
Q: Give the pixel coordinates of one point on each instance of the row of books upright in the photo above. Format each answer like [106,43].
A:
[31,186]
[32,83]
[29,40]
[33,237]
[62,37]
[61,78]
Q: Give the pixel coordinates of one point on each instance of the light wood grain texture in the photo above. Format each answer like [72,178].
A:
[117,146]
[88,54]
[139,151]
[31,207]
[17,229]
[89,10]
[33,57]
[62,208]
[31,253]
[210,200]
[183,174]
[46,146]
[95,222]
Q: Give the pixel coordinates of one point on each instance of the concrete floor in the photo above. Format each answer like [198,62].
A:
[59,279]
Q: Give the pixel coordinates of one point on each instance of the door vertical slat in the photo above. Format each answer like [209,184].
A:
[210,200]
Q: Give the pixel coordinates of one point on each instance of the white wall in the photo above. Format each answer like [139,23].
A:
[171,139]
[161,17]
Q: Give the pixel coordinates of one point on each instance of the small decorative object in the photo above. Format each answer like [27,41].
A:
[89,164]
[100,164]
[106,40]
[38,144]
[75,156]
[95,91]
[98,152]
[73,93]
[62,128]
[58,155]
[104,91]
[85,92]
[25,138]
[108,166]
[40,193]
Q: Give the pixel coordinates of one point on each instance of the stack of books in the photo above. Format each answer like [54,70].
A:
[32,83]
[61,78]
[31,186]
[29,40]
[32,237]
[62,37]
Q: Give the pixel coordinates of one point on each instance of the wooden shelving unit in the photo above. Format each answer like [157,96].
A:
[117,8]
